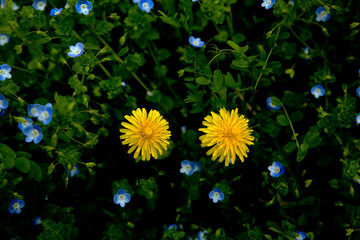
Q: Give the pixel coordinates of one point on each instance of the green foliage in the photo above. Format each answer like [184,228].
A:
[133,59]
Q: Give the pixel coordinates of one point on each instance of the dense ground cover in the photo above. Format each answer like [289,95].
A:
[179,119]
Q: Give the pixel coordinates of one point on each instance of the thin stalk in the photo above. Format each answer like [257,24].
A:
[24,70]
[230,20]
[291,126]
[298,38]
[268,56]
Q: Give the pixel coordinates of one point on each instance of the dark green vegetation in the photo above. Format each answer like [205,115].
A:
[250,54]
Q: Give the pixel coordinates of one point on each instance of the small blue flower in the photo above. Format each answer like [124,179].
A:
[197,167]
[3,104]
[358,118]
[37,221]
[4,39]
[39,5]
[216,195]
[74,171]
[270,105]
[358,91]
[55,11]
[318,91]
[322,14]
[33,133]
[145,5]
[292,3]
[183,129]
[27,123]
[76,50]
[45,113]
[268,4]
[201,235]
[306,51]
[121,197]
[359,72]
[187,167]
[15,7]
[123,84]
[136,1]
[301,235]
[194,0]
[196,42]
[5,72]
[2,3]
[16,205]
[171,226]
[276,169]
[67,5]
[34,110]
[83,6]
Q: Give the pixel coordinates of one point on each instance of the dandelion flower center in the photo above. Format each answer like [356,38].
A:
[146,133]
[228,134]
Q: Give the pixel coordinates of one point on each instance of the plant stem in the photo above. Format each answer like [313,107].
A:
[268,56]
[298,38]
[292,128]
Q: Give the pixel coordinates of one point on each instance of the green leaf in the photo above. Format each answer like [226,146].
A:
[296,116]
[35,171]
[23,165]
[202,81]
[302,220]
[354,24]
[291,72]
[90,164]
[8,162]
[238,37]
[77,85]
[289,147]
[264,82]
[239,64]
[302,152]
[217,79]
[282,120]
[284,36]
[229,80]
[6,151]
[169,20]
[233,45]
[308,201]
[275,101]
[312,139]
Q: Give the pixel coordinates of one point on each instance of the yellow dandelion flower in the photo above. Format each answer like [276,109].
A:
[147,133]
[228,134]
